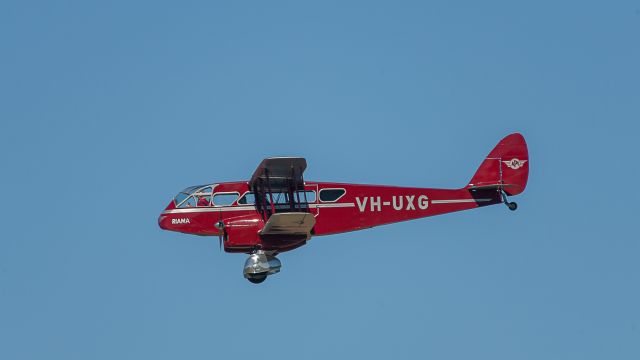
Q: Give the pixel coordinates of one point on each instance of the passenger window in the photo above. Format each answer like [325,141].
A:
[330,195]
[247,199]
[283,198]
[222,199]
[310,196]
[278,198]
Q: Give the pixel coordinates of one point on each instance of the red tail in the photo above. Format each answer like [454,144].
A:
[506,167]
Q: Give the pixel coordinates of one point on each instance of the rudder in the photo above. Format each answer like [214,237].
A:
[505,168]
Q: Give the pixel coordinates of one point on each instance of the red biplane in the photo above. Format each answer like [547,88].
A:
[277,211]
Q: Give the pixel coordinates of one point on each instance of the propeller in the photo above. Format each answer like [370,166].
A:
[223,234]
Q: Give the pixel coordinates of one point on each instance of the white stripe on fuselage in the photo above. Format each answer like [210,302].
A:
[248,208]
[311,206]
[457,201]
[209,209]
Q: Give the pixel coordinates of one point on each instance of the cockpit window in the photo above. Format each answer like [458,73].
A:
[199,195]
[191,189]
[203,200]
[190,202]
[180,198]
[203,196]
[222,199]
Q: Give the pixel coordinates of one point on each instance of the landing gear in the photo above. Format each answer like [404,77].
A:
[259,265]
[512,205]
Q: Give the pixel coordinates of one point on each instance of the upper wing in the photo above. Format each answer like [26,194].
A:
[279,174]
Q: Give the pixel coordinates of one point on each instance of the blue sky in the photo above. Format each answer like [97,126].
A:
[109,109]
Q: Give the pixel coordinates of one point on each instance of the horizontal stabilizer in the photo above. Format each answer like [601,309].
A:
[492,187]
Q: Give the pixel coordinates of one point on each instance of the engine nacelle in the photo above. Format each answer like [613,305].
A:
[259,265]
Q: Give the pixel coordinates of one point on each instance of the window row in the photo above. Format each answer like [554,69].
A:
[309,196]
[204,198]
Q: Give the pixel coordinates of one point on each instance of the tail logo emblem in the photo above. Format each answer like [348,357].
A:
[515,163]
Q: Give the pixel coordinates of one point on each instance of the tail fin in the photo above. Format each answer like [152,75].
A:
[505,168]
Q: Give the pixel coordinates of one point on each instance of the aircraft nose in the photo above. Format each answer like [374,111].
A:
[163,222]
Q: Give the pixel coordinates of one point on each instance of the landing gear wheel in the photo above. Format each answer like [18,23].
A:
[257,279]
[511,205]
